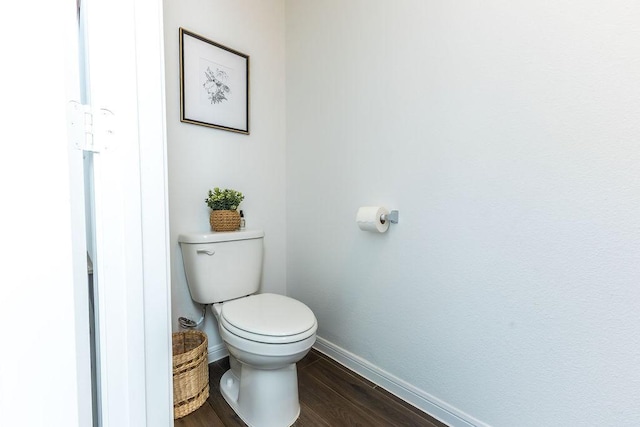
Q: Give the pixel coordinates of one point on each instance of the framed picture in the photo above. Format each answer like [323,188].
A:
[214,84]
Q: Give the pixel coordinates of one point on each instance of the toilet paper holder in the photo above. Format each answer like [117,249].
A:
[392,217]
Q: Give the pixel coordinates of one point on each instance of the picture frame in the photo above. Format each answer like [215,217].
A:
[214,84]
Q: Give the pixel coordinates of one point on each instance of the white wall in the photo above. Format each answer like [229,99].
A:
[506,133]
[201,158]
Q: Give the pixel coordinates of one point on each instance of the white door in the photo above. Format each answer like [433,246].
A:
[44,360]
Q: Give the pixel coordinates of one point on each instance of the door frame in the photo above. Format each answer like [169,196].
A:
[131,270]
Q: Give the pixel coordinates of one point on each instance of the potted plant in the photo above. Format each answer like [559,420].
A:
[224,209]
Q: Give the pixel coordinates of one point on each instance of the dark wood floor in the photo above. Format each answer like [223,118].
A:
[330,395]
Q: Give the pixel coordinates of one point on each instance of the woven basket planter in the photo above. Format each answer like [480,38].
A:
[221,220]
[190,372]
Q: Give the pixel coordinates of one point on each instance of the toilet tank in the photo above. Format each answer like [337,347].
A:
[222,265]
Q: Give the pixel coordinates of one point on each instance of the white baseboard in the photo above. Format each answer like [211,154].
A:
[216,352]
[420,399]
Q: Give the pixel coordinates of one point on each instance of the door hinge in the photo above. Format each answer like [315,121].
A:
[90,129]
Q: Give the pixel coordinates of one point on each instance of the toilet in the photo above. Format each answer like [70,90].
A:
[265,334]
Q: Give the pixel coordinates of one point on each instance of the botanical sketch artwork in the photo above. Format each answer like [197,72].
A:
[215,86]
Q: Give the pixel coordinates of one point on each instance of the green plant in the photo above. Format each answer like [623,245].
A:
[224,199]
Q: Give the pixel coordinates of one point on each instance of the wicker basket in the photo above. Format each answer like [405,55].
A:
[222,220]
[190,372]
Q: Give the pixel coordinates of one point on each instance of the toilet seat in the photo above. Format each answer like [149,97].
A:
[268,318]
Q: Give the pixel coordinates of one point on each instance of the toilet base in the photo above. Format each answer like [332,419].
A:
[263,397]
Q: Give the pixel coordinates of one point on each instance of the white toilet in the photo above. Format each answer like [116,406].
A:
[266,334]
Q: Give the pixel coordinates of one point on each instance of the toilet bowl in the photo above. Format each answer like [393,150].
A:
[265,334]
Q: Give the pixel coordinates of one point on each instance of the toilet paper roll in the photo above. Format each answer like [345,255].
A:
[368,219]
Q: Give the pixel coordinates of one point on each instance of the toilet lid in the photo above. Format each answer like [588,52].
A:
[268,318]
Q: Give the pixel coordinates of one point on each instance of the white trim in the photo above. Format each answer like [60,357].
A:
[154,211]
[217,352]
[422,400]
[131,215]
